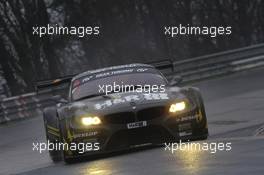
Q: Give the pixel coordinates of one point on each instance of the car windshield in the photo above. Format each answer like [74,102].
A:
[89,86]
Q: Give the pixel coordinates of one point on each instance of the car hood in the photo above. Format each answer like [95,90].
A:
[120,102]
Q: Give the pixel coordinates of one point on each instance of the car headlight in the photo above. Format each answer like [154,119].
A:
[87,121]
[176,107]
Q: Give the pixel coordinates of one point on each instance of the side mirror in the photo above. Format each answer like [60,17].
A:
[175,80]
[59,99]
[62,100]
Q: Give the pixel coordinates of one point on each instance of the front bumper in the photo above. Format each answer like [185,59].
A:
[112,137]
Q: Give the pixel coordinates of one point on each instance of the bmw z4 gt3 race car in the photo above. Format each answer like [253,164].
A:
[121,107]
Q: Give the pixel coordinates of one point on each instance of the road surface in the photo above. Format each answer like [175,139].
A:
[235,112]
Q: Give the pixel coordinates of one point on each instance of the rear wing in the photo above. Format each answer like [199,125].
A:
[55,84]
[165,66]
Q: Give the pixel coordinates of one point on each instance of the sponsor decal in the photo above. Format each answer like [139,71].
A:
[105,74]
[142,69]
[136,125]
[131,98]
[86,134]
[185,133]
[199,116]
[185,126]
[87,79]
[182,119]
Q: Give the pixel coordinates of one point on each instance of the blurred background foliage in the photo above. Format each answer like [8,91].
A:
[130,31]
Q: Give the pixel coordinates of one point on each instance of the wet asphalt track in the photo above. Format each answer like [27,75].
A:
[235,110]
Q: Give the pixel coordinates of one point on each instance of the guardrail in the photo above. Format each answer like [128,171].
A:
[218,64]
[194,69]
[26,105]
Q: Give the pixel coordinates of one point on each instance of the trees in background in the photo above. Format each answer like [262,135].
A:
[130,31]
[24,57]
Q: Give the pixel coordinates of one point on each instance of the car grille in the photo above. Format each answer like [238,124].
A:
[151,113]
[142,115]
[120,118]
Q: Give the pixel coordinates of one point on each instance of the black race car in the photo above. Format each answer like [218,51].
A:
[122,107]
